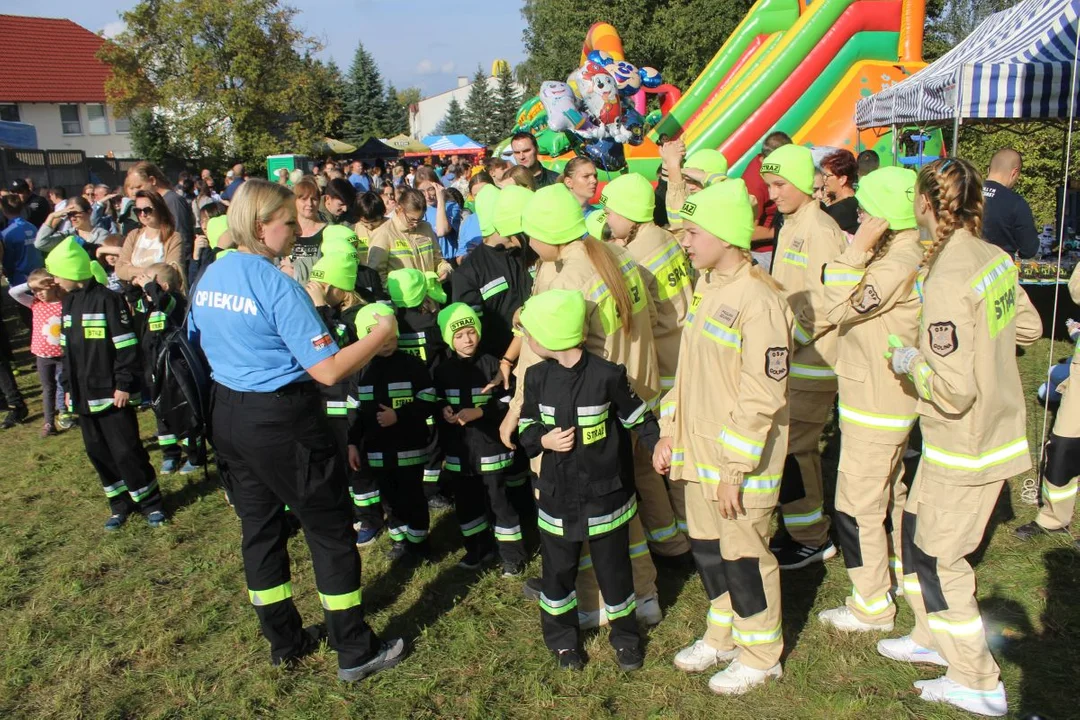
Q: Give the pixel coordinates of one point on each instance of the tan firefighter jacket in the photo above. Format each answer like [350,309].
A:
[394,246]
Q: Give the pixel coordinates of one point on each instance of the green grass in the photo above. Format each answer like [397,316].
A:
[156,624]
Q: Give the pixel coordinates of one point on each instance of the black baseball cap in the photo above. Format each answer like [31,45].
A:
[19,186]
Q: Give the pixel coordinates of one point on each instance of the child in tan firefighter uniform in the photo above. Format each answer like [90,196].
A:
[469,418]
[577,413]
[100,371]
[1057,498]
[871,294]
[389,437]
[724,428]
[808,240]
[971,412]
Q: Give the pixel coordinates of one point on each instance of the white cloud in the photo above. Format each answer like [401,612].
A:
[425,67]
[447,68]
[113,29]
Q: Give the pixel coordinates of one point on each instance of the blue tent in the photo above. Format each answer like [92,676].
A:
[21,136]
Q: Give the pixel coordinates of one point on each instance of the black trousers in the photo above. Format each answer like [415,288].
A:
[364,490]
[558,601]
[402,491]
[279,451]
[435,482]
[483,506]
[116,452]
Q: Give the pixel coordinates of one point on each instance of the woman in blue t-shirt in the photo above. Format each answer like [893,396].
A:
[266,344]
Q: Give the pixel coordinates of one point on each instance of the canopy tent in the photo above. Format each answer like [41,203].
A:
[453,145]
[1017,64]
[407,145]
[337,147]
[372,149]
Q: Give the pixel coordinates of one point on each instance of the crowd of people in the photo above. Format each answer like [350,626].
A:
[646,378]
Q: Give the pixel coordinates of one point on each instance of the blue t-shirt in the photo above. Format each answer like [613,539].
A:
[232,188]
[447,243]
[257,327]
[360,183]
[20,255]
[469,234]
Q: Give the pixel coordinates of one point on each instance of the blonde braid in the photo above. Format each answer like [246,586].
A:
[954,188]
[759,274]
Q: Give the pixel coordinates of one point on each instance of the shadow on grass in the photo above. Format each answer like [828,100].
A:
[198,485]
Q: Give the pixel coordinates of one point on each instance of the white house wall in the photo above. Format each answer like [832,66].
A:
[46,118]
[432,110]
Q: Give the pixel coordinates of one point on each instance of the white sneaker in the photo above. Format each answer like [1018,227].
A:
[842,618]
[980,702]
[701,656]
[648,611]
[738,679]
[905,649]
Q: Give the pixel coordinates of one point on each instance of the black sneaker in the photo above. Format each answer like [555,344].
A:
[629,659]
[15,417]
[532,588]
[390,654]
[1031,529]
[398,550]
[310,640]
[512,569]
[475,559]
[570,660]
[794,555]
[438,501]
[779,540]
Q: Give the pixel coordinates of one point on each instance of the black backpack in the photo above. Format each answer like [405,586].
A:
[181,392]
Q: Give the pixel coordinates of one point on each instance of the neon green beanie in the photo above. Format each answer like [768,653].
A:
[889,193]
[69,261]
[723,210]
[512,201]
[99,272]
[555,319]
[337,270]
[434,287]
[712,162]
[215,228]
[340,232]
[594,223]
[486,201]
[794,163]
[631,196]
[407,287]
[367,317]
[553,216]
[454,317]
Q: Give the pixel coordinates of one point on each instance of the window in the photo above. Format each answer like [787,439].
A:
[96,121]
[9,113]
[69,120]
[121,124]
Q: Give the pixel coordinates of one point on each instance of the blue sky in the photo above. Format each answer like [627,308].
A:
[422,43]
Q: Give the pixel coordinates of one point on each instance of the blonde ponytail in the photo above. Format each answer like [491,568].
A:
[606,265]
[758,273]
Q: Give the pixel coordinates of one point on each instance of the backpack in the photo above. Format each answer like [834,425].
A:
[181,391]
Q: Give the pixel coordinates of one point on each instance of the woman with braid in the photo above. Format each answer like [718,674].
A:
[971,409]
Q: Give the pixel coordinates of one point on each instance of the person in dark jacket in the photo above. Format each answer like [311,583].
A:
[577,414]
[1007,219]
[469,432]
[100,371]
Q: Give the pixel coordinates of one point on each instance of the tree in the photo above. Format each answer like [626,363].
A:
[950,21]
[453,123]
[397,113]
[335,94]
[150,138]
[507,102]
[225,81]
[480,109]
[365,101]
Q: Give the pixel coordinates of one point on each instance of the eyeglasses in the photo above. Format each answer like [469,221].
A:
[144,211]
[412,220]
[826,175]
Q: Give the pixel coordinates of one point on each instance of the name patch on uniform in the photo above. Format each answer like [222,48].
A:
[796,244]
[396,403]
[870,300]
[594,434]
[94,333]
[322,341]
[776,363]
[942,338]
[727,315]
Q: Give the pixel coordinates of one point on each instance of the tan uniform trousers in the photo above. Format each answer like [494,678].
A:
[742,576]
[661,506]
[943,524]
[801,494]
[1058,487]
[870,496]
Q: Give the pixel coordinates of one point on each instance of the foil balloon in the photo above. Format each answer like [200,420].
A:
[598,93]
[560,105]
[626,77]
[606,155]
[650,77]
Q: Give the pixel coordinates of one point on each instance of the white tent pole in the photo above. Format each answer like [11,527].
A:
[956,112]
[895,146]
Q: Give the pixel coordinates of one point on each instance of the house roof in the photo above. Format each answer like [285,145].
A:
[49,60]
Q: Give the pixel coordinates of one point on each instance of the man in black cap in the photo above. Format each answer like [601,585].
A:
[35,208]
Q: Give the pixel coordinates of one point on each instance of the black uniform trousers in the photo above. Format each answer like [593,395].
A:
[9,388]
[407,516]
[558,600]
[364,490]
[280,452]
[117,454]
[435,482]
[484,512]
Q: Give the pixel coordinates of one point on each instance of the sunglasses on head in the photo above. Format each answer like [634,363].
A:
[144,211]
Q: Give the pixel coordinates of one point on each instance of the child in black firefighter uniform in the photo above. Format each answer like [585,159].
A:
[578,411]
[100,370]
[158,311]
[471,412]
[388,439]
[417,297]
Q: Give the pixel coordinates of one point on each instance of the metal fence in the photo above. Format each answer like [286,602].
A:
[71,169]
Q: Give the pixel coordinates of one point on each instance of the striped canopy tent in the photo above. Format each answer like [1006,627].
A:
[453,144]
[1016,65]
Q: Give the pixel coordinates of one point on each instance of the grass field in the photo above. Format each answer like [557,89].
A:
[156,624]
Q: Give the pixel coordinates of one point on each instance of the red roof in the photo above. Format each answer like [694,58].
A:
[49,60]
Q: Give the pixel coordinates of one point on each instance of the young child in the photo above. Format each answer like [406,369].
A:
[100,370]
[107,255]
[159,310]
[43,296]
[577,412]
[469,434]
[388,439]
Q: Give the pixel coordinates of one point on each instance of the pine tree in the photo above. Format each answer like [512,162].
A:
[365,102]
[480,109]
[397,114]
[507,102]
[453,122]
